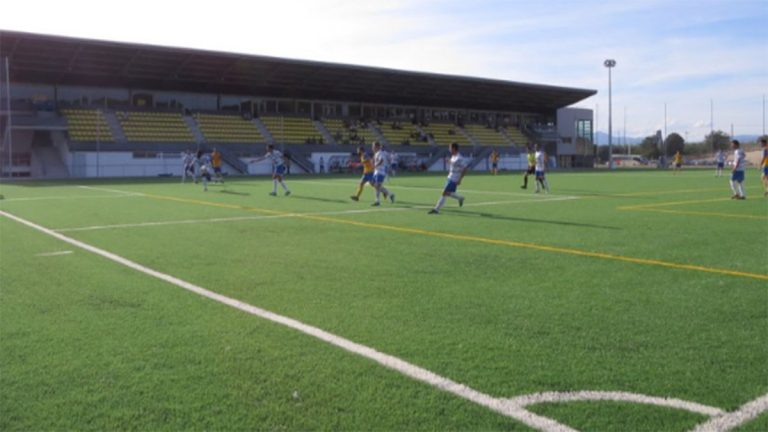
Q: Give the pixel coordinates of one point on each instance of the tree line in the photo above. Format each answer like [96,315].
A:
[650,148]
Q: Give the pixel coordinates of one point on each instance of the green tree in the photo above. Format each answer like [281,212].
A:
[648,148]
[717,140]
[674,143]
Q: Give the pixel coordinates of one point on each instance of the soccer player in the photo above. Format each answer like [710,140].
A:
[720,160]
[392,163]
[540,169]
[278,168]
[678,162]
[205,169]
[188,162]
[737,174]
[458,168]
[380,165]
[531,167]
[216,163]
[367,163]
[494,162]
[764,165]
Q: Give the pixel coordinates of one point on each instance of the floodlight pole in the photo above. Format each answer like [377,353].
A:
[610,64]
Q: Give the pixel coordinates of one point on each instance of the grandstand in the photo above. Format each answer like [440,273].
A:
[218,128]
[148,102]
[87,125]
[292,130]
[487,136]
[403,133]
[152,126]
[350,131]
[445,133]
[516,135]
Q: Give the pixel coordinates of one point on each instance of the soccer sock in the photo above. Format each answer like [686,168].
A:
[538,185]
[525,180]
[359,190]
[385,192]
[733,188]
[378,192]
[741,190]
[546,185]
[456,196]
[282,183]
[274,186]
[440,203]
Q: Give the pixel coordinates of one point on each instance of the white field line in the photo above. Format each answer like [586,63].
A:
[288,215]
[50,254]
[559,397]
[71,197]
[513,408]
[498,405]
[109,190]
[732,420]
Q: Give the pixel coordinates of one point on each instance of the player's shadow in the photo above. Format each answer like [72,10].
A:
[329,200]
[231,192]
[465,213]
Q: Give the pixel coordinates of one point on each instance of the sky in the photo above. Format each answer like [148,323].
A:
[687,55]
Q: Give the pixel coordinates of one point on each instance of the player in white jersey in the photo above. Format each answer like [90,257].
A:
[205,168]
[380,166]
[278,168]
[188,166]
[392,163]
[720,161]
[541,168]
[737,174]
[458,168]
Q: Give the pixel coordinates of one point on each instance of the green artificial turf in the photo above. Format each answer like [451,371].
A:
[515,293]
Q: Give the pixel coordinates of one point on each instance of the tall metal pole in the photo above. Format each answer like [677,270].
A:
[665,129]
[763,114]
[625,130]
[9,123]
[711,117]
[98,141]
[610,65]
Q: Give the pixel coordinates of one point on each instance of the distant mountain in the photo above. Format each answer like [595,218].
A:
[602,139]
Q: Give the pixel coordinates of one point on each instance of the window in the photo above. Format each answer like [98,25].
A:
[584,131]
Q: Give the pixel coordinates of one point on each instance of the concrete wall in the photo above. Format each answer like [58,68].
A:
[566,128]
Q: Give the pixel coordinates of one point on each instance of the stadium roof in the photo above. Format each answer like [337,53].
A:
[63,60]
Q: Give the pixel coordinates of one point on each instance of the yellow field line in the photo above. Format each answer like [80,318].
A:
[669,192]
[672,203]
[698,213]
[475,239]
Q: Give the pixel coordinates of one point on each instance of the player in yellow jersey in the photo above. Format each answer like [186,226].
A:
[678,162]
[764,164]
[531,166]
[367,164]
[494,162]
[216,163]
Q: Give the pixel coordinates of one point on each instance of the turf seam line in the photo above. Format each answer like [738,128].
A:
[524,245]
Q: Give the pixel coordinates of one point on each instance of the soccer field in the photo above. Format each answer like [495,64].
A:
[620,301]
